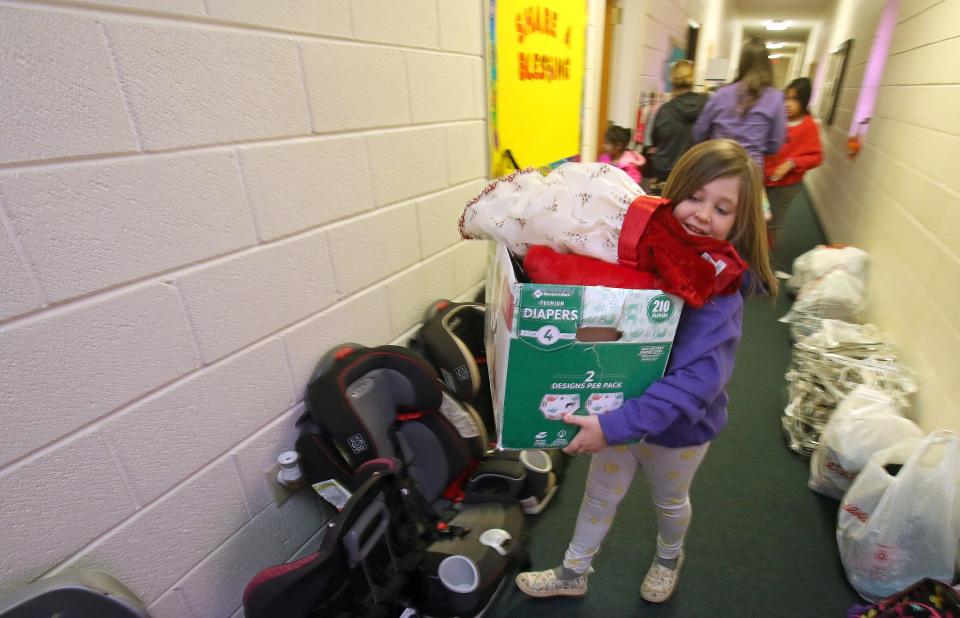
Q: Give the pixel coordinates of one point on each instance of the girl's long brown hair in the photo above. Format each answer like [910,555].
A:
[754,73]
[718,158]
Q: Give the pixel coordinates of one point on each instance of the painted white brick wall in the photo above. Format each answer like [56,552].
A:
[198,198]
[198,419]
[69,366]
[407,163]
[189,86]
[438,219]
[212,501]
[330,17]
[458,31]
[19,292]
[365,249]
[59,99]
[426,70]
[354,86]
[237,301]
[402,22]
[77,222]
[466,145]
[297,186]
[59,501]
[357,319]
[900,198]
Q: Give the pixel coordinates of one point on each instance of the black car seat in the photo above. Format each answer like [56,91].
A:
[369,403]
[362,567]
[451,338]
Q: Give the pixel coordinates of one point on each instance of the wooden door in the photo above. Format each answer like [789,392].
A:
[610,16]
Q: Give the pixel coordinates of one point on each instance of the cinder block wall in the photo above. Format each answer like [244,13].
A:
[900,198]
[197,199]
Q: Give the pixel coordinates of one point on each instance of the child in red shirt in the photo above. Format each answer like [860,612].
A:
[783,172]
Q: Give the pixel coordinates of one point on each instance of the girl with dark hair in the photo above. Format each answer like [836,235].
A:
[750,110]
[615,142]
[783,172]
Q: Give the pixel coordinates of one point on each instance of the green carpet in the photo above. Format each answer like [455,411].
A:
[761,544]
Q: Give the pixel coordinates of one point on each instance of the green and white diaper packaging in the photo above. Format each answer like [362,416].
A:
[540,370]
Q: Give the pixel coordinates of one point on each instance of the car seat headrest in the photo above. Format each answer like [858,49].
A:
[452,337]
[356,392]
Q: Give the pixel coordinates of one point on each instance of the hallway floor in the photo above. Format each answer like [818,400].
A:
[761,544]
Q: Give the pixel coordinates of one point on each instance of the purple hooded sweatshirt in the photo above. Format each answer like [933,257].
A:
[760,131]
[688,405]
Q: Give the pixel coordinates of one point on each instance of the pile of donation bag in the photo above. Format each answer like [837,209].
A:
[850,409]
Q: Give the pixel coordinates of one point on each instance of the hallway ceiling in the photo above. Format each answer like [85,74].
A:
[802,10]
[794,34]
[803,13]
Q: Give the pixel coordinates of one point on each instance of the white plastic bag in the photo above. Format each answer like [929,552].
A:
[895,530]
[821,259]
[866,421]
[837,295]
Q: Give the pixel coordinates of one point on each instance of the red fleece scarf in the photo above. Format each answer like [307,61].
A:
[655,252]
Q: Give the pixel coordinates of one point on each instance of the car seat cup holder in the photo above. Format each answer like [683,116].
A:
[496,538]
[541,483]
[459,574]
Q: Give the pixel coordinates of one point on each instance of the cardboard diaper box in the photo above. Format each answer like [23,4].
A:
[557,349]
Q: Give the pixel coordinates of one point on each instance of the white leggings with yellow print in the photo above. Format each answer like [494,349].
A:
[669,472]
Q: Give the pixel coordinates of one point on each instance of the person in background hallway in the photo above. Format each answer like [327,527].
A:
[671,130]
[750,110]
[615,142]
[783,172]
[716,190]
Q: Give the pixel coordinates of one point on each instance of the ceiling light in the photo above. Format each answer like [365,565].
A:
[774,56]
[774,45]
[777,24]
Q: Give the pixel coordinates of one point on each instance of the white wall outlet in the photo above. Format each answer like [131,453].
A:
[280,493]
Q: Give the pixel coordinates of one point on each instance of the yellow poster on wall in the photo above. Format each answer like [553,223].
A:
[536,61]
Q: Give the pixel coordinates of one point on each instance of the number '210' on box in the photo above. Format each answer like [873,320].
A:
[558,349]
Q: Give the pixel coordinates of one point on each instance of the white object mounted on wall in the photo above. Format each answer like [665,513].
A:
[290,475]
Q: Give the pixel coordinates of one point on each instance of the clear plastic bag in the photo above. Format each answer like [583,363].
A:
[866,421]
[894,530]
[837,295]
[826,366]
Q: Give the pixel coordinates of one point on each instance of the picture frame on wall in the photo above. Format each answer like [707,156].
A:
[836,69]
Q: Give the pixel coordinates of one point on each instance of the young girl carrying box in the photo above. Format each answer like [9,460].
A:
[717,191]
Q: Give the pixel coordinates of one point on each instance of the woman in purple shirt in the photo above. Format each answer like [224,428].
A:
[750,110]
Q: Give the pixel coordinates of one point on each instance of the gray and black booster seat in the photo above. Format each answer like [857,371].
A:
[363,564]
[451,338]
[371,403]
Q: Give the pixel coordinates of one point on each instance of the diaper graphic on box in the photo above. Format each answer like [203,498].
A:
[601,403]
[601,306]
[561,349]
[555,406]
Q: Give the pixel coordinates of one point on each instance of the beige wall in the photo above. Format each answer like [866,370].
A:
[591,80]
[900,199]
[197,199]
[642,42]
